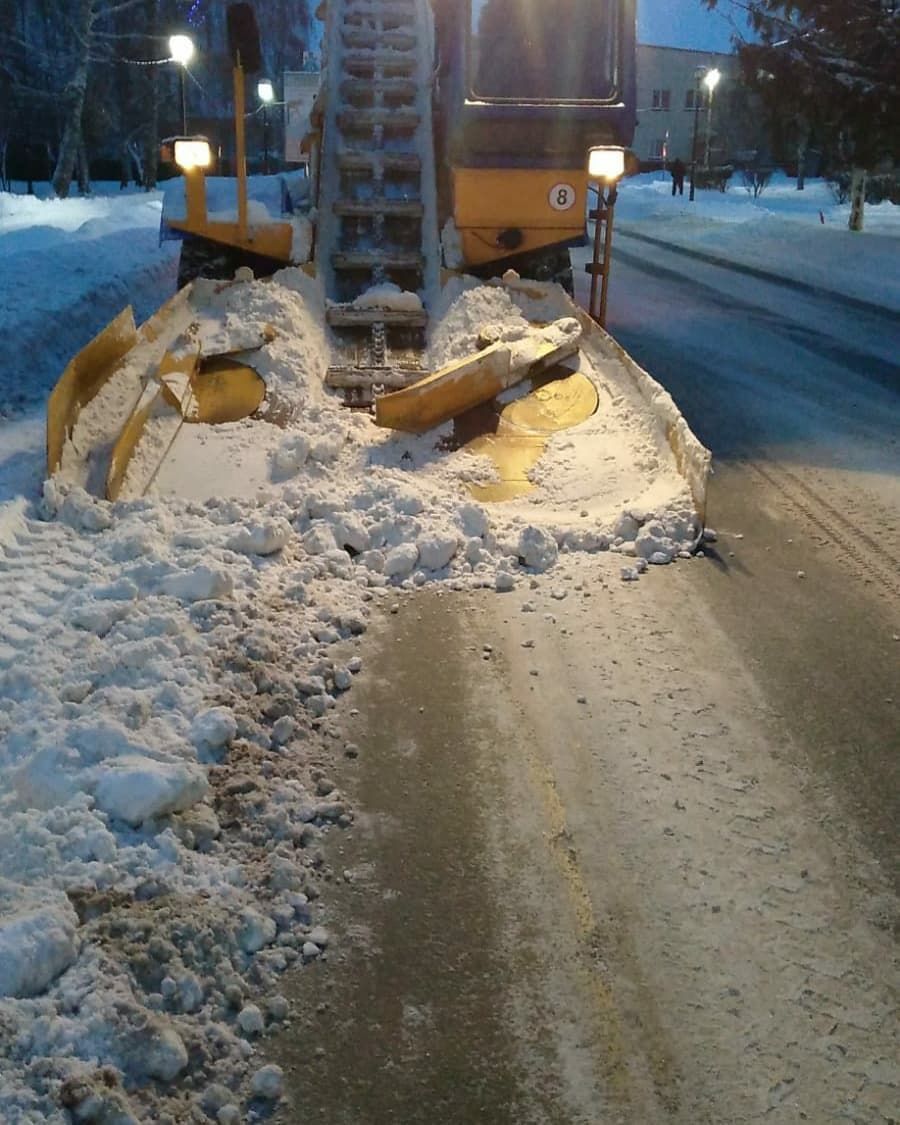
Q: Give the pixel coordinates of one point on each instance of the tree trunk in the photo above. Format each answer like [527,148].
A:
[801,164]
[150,136]
[83,169]
[857,198]
[75,91]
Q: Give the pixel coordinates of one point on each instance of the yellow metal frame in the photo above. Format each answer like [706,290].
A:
[271,240]
[487,201]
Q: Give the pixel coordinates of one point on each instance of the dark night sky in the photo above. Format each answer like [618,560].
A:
[685,23]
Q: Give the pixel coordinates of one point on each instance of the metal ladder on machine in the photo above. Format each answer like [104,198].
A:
[377,219]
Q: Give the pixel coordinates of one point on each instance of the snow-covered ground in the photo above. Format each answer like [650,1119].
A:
[68,266]
[167,664]
[798,235]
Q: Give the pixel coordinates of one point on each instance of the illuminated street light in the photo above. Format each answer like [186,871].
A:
[710,82]
[710,79]
[266,94]
[181,51]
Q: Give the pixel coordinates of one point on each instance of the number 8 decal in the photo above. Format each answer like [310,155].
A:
[561,197]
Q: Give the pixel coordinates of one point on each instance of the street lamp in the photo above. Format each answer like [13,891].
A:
[181,51]
[266,93]
[710,82]
[606,166]
[698,72]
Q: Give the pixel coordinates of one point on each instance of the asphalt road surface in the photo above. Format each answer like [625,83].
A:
[627,853]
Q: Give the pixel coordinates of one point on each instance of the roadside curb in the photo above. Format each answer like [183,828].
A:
[764,275]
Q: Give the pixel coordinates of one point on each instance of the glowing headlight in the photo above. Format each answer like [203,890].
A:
[192,153]
[606,162]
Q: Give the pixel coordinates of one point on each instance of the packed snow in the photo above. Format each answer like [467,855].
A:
[168,662]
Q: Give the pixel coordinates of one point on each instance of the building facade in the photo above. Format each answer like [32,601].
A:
[673,104]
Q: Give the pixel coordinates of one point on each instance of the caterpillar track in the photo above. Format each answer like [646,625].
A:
[378,224]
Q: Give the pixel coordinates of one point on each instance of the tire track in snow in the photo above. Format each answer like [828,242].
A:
[877,560]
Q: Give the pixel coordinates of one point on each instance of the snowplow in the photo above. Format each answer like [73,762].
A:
[446,139]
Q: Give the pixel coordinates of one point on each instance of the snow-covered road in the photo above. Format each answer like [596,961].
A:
[179,755]
[806,386]
[799,399]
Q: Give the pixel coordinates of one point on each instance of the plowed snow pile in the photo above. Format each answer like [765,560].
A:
[165,664]
[599,484]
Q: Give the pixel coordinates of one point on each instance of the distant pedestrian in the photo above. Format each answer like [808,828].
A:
[678,176]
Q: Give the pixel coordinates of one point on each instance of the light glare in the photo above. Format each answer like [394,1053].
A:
[712,79]
[192,154]
[266,91]
[606,163]
[181,49]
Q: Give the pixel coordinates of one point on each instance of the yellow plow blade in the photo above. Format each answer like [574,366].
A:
[446,393]
[150,381]
[83,378]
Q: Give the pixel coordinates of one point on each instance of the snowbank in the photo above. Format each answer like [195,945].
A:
[798,235]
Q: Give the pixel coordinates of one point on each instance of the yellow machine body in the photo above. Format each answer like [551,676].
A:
[273,240]
[490,201]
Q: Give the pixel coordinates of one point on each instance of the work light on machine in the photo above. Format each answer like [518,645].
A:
[192,152]
[606,163]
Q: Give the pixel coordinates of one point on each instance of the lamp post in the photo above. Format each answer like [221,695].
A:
[266,93]
[710,81]
[697,74]
[606,166]
[181,51]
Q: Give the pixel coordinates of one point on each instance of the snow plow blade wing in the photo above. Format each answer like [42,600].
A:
[82,380]
[124,359]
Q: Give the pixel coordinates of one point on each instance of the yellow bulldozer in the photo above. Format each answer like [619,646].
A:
[447,136]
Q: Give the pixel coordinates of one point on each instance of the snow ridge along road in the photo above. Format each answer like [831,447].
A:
[818,291]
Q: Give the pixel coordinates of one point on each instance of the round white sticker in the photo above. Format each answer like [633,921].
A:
[561,197]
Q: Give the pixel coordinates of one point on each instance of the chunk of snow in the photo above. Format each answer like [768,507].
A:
[38,941]
[473,520]
[160,1052]
[134,788]
[213,728]
[401,561]
[387,295]
[436,551]
[537,548]
[250,1020]
[199,584]
[264,538]
[268,1082]
[319,539]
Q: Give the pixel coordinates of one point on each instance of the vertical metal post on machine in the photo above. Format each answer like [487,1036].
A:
[598,267]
